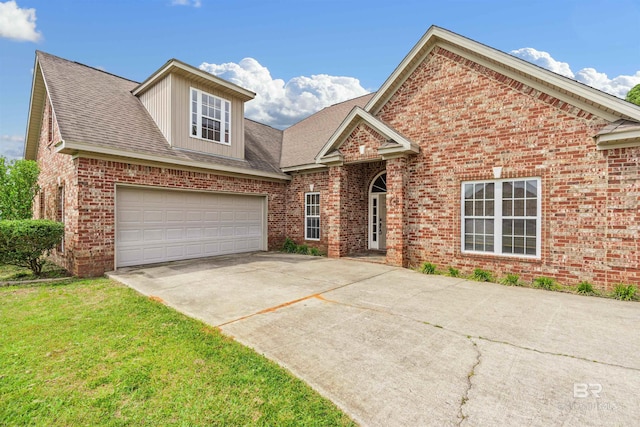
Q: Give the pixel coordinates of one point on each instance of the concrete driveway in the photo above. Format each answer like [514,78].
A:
[393,347]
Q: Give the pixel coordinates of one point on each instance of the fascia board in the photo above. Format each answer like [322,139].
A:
[622,139]
[240,92]
[355,117]
[530,73]
[70,147]
[307,167]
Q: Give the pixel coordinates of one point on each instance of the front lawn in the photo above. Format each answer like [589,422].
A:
[94,352]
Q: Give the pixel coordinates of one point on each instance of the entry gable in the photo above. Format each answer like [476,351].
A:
[562,88]
[360,120]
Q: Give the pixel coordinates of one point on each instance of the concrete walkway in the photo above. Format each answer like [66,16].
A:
[392,347]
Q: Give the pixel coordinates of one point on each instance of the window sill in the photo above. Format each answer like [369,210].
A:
[228,144]
[500,257]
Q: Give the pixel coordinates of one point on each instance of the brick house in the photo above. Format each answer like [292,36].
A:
[465,157]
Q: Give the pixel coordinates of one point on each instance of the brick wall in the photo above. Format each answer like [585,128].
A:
[56,171]
[468,119]
[295,193]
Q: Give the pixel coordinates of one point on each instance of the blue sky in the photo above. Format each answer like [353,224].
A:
[302,55]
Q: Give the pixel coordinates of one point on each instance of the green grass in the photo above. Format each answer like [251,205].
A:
[10,273]
[94,352]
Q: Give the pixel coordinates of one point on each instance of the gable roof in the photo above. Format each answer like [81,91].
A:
[396,142]
[589,99]
[97,112]
[194,74]
[302,141]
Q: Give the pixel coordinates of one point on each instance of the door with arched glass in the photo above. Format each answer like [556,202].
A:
[378,212]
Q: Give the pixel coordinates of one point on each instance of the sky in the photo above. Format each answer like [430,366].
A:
[302,55]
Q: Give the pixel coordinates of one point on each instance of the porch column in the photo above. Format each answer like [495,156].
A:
[397,179]
[337,245]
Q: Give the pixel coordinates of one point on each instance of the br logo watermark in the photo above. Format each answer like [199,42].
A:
[583,390]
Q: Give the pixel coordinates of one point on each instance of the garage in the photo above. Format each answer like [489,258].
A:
[155,225]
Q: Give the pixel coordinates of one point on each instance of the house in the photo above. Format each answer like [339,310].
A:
[465,157]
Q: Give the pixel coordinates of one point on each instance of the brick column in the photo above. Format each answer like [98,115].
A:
[335,216]
[397,212]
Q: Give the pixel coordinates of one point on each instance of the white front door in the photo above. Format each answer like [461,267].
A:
[378,221]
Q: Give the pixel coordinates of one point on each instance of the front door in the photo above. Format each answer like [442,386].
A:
[378,213]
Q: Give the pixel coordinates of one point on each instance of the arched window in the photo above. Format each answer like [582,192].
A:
[380,184]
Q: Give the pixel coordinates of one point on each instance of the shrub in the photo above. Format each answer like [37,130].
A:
[585,288]
[428,268]
[302,249]
[315,252]
[624,292]
[289,246]
[511,280]
[454,272]
[544,283]
[481,275]
[24,242]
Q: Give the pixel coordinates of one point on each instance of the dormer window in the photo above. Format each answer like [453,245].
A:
[210,117]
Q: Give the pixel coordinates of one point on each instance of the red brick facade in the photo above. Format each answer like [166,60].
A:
[466,119]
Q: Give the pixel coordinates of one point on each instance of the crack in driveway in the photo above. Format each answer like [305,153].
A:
[465,396]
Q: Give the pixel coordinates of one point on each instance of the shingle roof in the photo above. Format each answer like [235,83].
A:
[304,140]
[621,125]
[98,108]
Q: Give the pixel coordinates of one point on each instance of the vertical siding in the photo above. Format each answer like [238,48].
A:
[181,121]
[157,100]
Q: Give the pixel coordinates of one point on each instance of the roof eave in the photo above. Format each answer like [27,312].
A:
[74,148]
[174,64]
[621,139]
[34,117]
[356,116]
[306,167]
[584,96]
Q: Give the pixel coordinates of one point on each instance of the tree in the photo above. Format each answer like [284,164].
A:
[634,95]
[18,188]
[25,242]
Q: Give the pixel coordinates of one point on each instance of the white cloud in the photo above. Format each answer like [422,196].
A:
[618,86]
[281,104]
[18,24]
[194,3]
[11,146]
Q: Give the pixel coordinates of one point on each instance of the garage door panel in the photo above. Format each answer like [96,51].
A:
[162,225]
[153,216]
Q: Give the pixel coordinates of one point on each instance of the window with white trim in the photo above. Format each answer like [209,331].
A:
[502,217]
[312,216]
[210,117]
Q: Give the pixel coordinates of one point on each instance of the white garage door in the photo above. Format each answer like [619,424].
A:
[164,225]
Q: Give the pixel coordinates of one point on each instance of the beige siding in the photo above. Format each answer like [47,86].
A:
[180,129]
[157,101]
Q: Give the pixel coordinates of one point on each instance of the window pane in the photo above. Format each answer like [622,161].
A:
[507,207]
[518,245]
[468,226]
[479,226]
[479,242]
[532,188]
[507,227]
[479,191]
[488,208]
[468,242]
[531,227]
[468,208]
[531,246]
[488,226]
[488,243]
[518,189]
[507,190]
[518,227]
[532,207]
[468,191]
[479,208]
[489,191]
[518,208]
